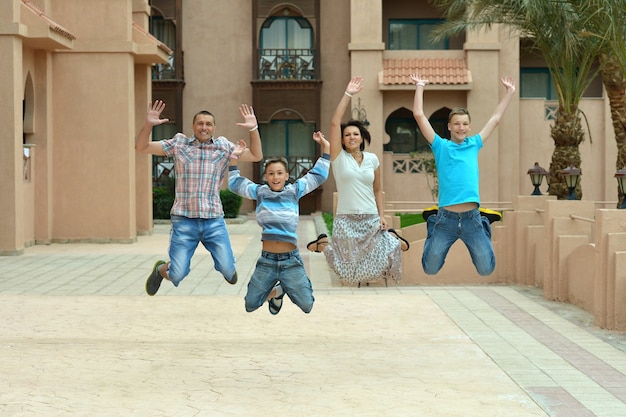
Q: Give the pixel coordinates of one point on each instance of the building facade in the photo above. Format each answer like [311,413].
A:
[85,76]
[75,89]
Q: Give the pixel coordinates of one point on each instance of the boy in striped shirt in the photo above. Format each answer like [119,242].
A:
[280,269]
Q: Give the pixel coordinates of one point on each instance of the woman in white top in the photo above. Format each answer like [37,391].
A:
[363,249]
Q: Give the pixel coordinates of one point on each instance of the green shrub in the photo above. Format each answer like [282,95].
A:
[409,219]
[406,219]
[231,203]
[162,199]
[328,219]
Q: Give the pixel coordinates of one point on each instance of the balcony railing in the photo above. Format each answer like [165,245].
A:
[296,165]
[286,64]
[163,168]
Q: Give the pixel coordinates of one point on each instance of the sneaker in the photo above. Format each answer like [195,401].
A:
[233,280]
[154,280]
[276,303]
[430,211]
[491,215]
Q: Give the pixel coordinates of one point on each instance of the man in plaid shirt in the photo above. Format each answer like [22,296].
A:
[200,164]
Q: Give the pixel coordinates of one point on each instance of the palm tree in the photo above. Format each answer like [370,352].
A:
[606,21]
[553,27]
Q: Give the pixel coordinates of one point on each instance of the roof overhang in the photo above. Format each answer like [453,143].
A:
[40,31]
[445,73]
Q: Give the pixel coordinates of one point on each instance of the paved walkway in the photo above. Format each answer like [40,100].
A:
[79,337]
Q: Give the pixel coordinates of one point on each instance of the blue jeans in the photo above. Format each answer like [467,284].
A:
[287,268]
[185,236]
[446,227]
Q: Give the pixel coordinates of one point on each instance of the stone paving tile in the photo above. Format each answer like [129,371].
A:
[195,355]
[80,337]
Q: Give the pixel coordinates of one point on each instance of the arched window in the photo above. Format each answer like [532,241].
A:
[439,121]
[405,134]
[292,139]
[286,49]
[286,33]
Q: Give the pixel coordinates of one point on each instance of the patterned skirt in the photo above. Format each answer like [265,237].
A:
[361,252]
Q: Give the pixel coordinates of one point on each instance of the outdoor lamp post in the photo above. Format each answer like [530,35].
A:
[536,176]
[572,178]
[621,182]
[359,113]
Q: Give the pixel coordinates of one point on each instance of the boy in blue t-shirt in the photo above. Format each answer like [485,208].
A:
[280,269]
[458,216]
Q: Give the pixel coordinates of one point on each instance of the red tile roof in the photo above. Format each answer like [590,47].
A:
[436,71]
[54,26]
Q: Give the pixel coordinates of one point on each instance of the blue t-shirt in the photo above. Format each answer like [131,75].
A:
[457,170]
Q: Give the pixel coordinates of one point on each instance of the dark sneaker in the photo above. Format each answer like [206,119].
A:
[276,303]
[491,215]
[430,211]
[233,280]
[154,280]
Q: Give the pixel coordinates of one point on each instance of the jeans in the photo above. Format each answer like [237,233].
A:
[287,268]
[185,235]
[446,227]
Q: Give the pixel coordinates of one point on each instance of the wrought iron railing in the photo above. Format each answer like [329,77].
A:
[163,167]
[286,64]
[296,165]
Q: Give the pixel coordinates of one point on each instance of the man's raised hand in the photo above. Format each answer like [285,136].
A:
[154,113]
[249,119]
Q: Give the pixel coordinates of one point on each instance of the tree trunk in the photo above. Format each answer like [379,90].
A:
[614,81]
[567,134]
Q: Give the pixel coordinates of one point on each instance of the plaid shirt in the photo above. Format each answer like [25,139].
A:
[199,169]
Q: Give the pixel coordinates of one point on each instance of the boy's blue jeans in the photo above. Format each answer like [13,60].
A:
[287,268]
[185,236]
[446,227]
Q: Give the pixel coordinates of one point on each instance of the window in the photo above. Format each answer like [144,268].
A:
[286,33]
[406,136]
[414,35]
[537,83]
[165,31]
[162,166]
[286,49]
[439,121]
[291,139]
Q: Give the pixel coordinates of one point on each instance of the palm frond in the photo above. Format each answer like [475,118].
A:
[553,25]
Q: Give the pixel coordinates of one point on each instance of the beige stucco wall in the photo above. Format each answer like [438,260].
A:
[218,64]
[80,122]
[93,154]
[335,23]
[11,221]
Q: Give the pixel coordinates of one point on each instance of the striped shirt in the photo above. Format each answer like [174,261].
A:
[199,169]
[277,212]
